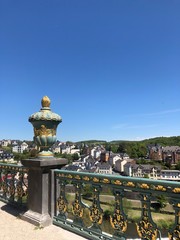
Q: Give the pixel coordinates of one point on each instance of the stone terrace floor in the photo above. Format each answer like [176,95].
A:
[12,227]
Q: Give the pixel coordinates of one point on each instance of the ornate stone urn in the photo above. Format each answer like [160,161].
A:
[45,123]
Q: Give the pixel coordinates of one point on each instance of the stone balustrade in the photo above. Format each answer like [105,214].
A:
[95,206]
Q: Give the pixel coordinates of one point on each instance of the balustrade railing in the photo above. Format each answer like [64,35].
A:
[108,213]
[100,206]
[13,184]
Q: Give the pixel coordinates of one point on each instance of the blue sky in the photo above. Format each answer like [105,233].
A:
[110,67]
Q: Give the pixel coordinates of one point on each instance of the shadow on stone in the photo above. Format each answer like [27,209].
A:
[13,210]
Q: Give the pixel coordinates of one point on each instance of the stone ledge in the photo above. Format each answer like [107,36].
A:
[37,162]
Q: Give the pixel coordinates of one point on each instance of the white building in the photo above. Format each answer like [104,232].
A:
[4,143]
[113,158]
[172,175]
[69,149]
[75,150]
[20,148]
[95,152]
[104,168]
[119,165]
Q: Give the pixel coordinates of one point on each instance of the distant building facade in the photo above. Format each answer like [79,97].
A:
[20,148]
[171,154]
[155,152]
[142,170]
[170,175]
[168,154]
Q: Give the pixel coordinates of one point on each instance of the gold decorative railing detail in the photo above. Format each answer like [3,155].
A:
[117,182]
[62,202]
[69,176]
[130,184]
[144,185]
[118,220]
[174,232]
[160,188]
[77,177]
[77,206]
[13,184]
[86,178]
[176,190]
[91,219]
[95,211]
[105,180]
[146,228]
[96,180]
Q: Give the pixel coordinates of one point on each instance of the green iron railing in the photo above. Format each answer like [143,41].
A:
[85,216]
[13,184]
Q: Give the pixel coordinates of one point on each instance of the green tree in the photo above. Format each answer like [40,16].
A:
[107,214]
[7,149]
[75,156]
[87,191]
[121,148]
[133,153]
[65,155]
[21,156]
[162,200]
[146,175]
[141,150]
[160,203]
[114,148]
[178,166]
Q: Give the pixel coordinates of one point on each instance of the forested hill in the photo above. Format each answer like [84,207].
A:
[135,149]
[163,141]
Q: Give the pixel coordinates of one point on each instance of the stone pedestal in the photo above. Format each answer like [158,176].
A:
[41,189]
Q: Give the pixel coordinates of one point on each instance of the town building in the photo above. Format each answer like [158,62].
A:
[20,148]
[170,175]
[142,170]
[171,154]
[155,152]
[168,154]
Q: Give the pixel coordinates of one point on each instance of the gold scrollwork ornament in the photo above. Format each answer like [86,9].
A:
[176,190]
[95,179]
[77,209]
[175,235]
[160,188]
[11,189]
[145,230]
[130,184]
[144,186]
[19,191]
[62,205]
[43,131]
[105,180]
[5,187]
[86,178]
[117,182]
[95,214]
[117,221]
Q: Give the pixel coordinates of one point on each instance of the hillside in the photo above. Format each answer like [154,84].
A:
[164,141]
[135,149]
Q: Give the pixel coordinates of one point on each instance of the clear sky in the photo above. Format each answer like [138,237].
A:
[110,67]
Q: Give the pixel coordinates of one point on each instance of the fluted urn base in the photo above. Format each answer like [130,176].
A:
[45,154]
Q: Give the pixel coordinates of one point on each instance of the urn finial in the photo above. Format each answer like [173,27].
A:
[45,102]
[45,123]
